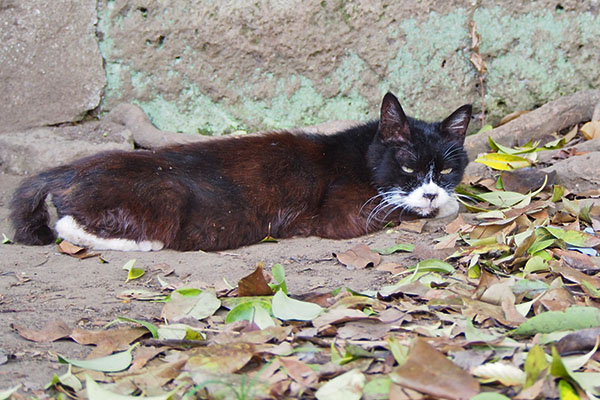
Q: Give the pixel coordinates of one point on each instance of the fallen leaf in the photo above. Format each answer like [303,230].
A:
[254,284]
[591,130]
[573,318]
[220,358]
[113,363]
[286,308]
[198,307]
[428,371]
[413,226]
[107,341]
[97,392]
[360,256]
[505,373]
[522,180]
[406,247]
[348,386]
[75,251]
[503,162]
[299,371]
[53,330]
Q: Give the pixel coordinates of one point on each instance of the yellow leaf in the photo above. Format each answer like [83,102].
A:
[503,162]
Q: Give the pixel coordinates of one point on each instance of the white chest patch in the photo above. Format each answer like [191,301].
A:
[71,231]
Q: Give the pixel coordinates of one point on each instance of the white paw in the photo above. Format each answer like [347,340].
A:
[449,208]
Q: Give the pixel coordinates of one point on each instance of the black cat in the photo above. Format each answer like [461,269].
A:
[233,191]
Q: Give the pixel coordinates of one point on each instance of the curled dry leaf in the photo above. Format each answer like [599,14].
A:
[75,251]
[591,130]
[254,284]
[360,256]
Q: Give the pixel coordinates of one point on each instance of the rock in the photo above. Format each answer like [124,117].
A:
[31,151]
[51,68]
[579,173]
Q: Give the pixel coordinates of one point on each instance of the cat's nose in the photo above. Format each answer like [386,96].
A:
[430,196]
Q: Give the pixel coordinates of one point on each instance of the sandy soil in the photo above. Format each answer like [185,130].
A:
[38,284]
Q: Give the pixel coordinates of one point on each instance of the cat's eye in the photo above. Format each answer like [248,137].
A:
[446,171]
[407,170]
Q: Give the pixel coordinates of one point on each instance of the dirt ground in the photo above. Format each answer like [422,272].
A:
[38,284]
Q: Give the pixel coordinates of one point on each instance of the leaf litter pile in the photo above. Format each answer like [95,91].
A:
[512,312]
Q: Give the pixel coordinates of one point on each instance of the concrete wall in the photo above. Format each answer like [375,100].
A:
[219,66]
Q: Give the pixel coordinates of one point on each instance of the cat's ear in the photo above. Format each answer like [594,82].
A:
[455,126]
[393,124]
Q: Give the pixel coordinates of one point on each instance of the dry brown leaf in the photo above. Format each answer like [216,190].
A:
[298,371]
[392,267]
[220,358]
[254,284]
[557,299]
[591,130]
[580,341]
[413,226]
[457,225]
[522,180]
[360,256]
[53,330]
[107,341]
[428,371]
[75,251]
[338,316]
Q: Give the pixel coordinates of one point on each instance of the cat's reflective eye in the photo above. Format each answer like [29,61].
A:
[407,170]
[446,171]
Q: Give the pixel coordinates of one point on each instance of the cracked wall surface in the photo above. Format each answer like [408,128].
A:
[219,67]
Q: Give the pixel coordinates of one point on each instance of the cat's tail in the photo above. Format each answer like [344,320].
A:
[29,214]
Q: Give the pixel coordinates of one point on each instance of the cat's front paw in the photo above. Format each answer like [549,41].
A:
[449,208]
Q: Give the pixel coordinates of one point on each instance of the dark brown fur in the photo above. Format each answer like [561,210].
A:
[219,194]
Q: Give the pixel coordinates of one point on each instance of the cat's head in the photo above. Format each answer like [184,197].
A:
[416,165]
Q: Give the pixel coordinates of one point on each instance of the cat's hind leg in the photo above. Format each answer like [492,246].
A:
[71,231]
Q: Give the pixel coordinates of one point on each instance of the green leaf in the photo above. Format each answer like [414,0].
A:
[572,318]
[279,276]
[179,331]
[503,162]
[67,379]
[574,238]
[113,363]
[485,128]
[489,396]
[129,264]
[536,264]
[566,391]
[97,392]
[558,191]
[557,368]
[132,273]
[535,364]
[189,292]
[407,247]
[257,311]
[377,388]
[473,334]
[286,308]
[539,245]
[151,327]
[399,351]
[434,265]
[6,240]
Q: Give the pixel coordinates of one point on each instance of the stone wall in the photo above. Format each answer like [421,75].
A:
[217,67]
